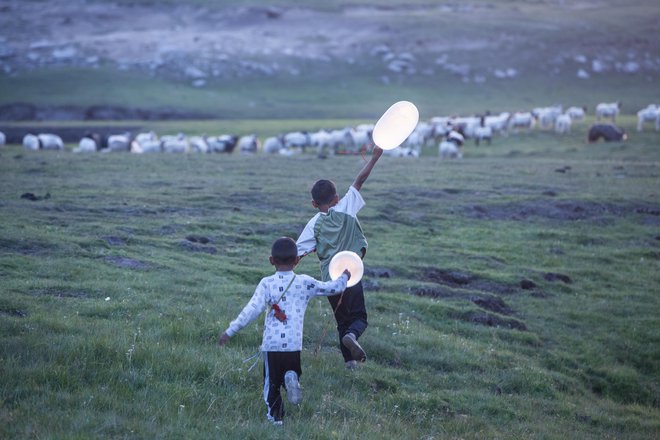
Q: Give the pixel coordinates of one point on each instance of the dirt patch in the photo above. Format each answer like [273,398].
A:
[490,320]
[61,293]
[13,312]
[33,198]
[168,229]
[378,272]
[527,284]
[370,285]
[465,280]
[113,240]
[557,210]
[434,292]
[194,247]
[25,247]
[127,263]
[493,303]
[198,239]
[552,276]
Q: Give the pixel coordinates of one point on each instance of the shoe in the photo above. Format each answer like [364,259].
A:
[277,422]
[351,343]
[293,390]
[351,365]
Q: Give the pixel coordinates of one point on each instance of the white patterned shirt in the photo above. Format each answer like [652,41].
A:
[284,336]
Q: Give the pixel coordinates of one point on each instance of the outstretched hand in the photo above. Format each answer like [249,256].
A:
[223,339]
[376,152]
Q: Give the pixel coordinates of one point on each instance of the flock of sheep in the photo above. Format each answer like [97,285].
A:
[448,133]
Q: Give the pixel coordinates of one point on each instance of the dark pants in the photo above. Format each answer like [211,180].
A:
[350,314]
[276,364]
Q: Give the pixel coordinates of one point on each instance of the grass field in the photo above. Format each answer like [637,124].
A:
[539,39]
[521,300]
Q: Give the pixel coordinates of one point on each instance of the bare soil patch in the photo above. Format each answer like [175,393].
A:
[17,313]
[492,320]
[465,280]
[566,210]
[61,293]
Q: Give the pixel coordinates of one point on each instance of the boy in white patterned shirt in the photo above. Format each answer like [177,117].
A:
[286,294]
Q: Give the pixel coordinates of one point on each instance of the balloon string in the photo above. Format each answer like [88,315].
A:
[325,329]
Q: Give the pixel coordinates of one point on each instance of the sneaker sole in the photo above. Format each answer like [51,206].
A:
[293,390]
[356,350]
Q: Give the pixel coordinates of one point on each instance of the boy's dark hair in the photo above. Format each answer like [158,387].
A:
[323,191]
[284,250]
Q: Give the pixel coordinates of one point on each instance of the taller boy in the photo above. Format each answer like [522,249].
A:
[333,229]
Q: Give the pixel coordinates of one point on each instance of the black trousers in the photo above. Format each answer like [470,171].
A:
[350,314]
[276,364]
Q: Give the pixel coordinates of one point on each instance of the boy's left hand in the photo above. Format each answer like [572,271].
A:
[223,339]
[347,273]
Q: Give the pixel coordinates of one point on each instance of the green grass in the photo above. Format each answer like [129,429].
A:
[109,314]
[528,35]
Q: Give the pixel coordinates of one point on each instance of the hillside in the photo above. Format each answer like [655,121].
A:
[306,59]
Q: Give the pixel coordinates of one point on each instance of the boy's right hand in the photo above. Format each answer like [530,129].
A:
[376,152]
[223,339]
[347,273]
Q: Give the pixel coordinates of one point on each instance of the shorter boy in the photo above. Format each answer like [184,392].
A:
[286,294]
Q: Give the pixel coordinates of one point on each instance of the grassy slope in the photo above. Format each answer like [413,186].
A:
[90,349]
[331,90]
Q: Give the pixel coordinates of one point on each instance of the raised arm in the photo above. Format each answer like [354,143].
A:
[366,170]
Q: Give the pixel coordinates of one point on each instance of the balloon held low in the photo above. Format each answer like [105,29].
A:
[346,260]
[395,125]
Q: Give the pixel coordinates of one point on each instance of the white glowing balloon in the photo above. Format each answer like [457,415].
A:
[395,125]
[346,260]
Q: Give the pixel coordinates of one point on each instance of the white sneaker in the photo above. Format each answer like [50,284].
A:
[293,390]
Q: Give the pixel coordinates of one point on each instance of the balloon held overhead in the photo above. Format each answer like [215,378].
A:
[395,125]
[346,260]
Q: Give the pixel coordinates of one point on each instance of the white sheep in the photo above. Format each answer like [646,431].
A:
[273,145]
[86,145]
[198,144]
[649,114]
[341,139]
[297,140]
[31,142]
[249,144]
[424,132]
[175,143]
[322,140]
[563,123]
[452,146]
[498,123]
[119,142]
[222,144]
[402,151]
[483,133]
[146,143]
[576,113]
[3,139]
[361,137]
[547,115]
[608,110]
[50,141]
[449,150]
[467,124]
[522,120]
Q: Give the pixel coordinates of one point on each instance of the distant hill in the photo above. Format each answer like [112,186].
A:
[307,59]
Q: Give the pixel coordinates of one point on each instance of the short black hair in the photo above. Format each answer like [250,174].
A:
[284,250]
[323,191]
